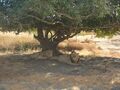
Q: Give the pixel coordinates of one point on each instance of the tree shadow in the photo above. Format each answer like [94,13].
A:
[17,69]
[26,64]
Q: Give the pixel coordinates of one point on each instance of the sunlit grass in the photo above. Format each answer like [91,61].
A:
[22,42]
[26,43]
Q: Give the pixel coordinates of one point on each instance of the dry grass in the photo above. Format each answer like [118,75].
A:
[12,42]
[25,43]
[87,47]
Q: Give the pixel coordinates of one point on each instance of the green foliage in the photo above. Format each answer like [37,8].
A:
[24,14]
[105,32]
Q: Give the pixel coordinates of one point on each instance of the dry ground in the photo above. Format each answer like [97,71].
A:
[26,72]
[33,72]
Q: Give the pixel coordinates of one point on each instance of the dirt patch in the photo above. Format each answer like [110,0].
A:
[27,72]
[35,72]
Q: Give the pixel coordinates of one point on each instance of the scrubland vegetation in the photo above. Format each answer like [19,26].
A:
[24,42]
[58,58]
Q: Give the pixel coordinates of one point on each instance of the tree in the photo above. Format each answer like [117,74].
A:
[57,20]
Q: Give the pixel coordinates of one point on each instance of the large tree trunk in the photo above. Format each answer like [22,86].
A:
[49,40]
[46,44]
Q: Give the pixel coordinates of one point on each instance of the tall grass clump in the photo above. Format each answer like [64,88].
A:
[9,41]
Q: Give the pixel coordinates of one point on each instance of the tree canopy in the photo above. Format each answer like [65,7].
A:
[57,20]
[66,12]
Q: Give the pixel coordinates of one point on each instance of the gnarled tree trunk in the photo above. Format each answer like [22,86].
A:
[46,43]
[50,36]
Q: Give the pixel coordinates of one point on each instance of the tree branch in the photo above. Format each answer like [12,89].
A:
[72,18]
[40,20]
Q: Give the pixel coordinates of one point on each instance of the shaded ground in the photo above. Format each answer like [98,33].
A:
[25,72]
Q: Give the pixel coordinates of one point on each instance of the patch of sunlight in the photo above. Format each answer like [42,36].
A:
[54,64]
[49,74]
[116,79]
[75,88]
